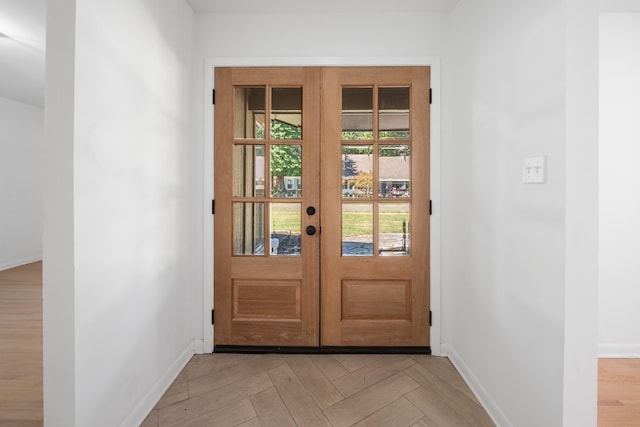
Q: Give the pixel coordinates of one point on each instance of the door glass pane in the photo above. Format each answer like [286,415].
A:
[357,113]
[248,228]
[394,171]
[285,228]
[393,226]
[286,113]
[248,171]
[286,171]
[248,112]
[357,171]
[357,229]
[393,112]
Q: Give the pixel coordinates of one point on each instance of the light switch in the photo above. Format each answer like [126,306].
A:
[534,170]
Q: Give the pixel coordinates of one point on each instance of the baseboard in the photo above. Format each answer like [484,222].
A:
[146,404]
[5,265]
[619,351]
[497,416]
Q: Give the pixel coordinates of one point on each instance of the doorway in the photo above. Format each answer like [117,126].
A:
[322,207]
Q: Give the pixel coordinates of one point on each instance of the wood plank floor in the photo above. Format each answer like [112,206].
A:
[318,390]
[255,390]
[21,346]
[618,392]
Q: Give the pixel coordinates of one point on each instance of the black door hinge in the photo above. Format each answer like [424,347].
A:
[430,207]
[213,207]
[213,317]
[430,318]
[213,96]
[430,96]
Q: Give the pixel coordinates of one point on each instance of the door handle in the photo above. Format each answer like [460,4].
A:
[311,210]
[311,230]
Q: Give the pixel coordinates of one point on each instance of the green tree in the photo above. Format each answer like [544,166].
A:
[282,130]
[286,160]
[364,182]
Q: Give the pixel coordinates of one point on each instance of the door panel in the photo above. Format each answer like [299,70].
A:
[375,213]
[266,175]
[353,145]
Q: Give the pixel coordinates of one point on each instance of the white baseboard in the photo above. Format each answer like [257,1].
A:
[144,407]
[496,414]
[5,265]
[619,351]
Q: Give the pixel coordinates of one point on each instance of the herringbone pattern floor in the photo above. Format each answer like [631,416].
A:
[318,390]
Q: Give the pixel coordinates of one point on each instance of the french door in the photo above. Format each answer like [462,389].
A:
[322,207]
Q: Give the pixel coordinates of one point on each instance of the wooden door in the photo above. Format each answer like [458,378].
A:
[345,148]
[266,190]
[375,207]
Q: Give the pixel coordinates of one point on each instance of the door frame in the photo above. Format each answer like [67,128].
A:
[208,171]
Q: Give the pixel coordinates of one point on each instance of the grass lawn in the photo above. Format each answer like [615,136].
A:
[286,218]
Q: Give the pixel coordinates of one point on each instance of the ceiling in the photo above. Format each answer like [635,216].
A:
[321,6]
[22,45]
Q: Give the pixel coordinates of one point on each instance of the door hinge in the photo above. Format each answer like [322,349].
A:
[213,206]
[430,207]
[213,96]
[213,317]
[430,96]
[430,318]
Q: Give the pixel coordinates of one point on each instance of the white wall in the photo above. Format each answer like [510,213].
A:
[619,318]
[21,136]
[503,245]
[322,35]
[580,377]
[58,263]
[131,151]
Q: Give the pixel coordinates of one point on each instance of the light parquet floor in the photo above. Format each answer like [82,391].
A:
[618,392]
[21,346]
[318,390]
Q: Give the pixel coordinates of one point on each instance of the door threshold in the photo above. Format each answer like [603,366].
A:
[319,350]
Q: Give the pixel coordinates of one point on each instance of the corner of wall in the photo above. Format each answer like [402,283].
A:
[198,346]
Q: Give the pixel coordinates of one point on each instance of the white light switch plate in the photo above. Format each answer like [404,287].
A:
[533,171]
